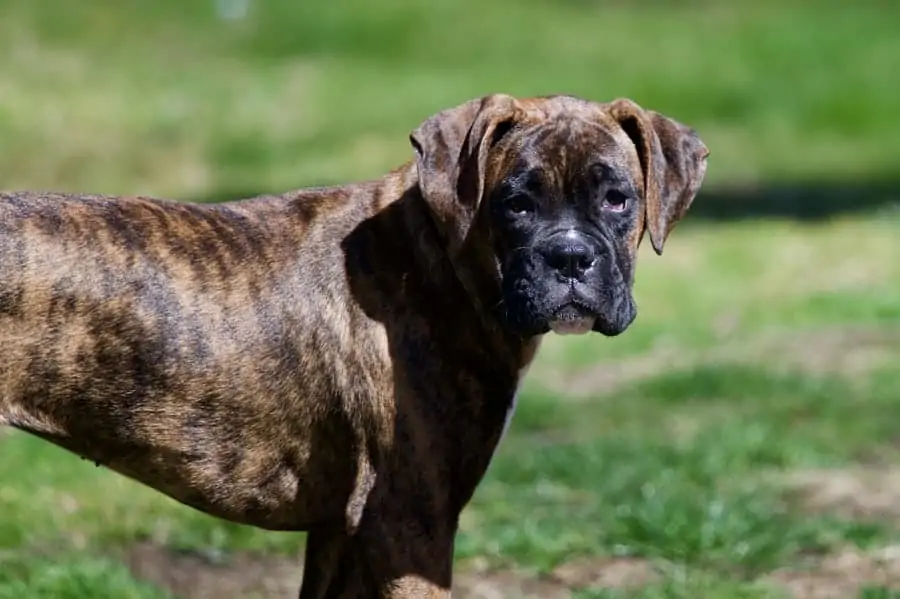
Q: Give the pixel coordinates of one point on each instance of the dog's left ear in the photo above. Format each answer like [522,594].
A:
[673,160]
[451,150]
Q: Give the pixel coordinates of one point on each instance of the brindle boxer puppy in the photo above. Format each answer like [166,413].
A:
[338,360]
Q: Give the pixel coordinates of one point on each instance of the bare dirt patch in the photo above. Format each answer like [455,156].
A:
[859,492]
[842,575]
[609,573]
[868,493]
[195,577]
[246,576]
[583,573]
[846,351]
[506,584]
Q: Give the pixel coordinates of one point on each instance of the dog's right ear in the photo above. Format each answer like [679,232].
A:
[451,150]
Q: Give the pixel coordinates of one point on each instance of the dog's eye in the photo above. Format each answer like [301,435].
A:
[520,204]
[615,201]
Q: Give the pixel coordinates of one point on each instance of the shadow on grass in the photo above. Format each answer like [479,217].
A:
[807,200]
[801,200]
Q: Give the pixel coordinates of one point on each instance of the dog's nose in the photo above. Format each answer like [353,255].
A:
[570,256]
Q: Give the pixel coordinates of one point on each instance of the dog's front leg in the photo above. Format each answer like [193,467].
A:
[395,563]
[403,548]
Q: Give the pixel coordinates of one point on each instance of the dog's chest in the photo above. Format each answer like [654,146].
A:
[513,404]
[511,410]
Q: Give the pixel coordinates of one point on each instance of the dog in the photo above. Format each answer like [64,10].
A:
[339,360]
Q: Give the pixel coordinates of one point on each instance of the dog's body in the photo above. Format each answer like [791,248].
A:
[339,360]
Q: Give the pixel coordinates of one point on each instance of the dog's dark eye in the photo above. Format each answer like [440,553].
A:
[615,201]
[520,204]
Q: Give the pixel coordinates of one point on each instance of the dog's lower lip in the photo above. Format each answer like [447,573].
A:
[572,311]
[572,319]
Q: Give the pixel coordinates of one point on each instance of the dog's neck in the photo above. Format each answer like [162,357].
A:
[504,355]
[448,350]
[471,268]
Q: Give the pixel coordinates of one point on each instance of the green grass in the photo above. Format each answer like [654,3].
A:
[689,589]
[166,98]
[70,578]
[763,351]
[719,590]
[642,485]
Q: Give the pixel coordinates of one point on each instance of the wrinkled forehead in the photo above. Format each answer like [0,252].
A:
[567,147]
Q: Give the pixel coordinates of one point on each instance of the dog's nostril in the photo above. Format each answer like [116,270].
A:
[571,259]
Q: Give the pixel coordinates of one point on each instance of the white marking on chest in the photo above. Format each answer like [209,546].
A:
[511,410]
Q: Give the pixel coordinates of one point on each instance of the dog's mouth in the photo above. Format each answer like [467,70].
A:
[572,319]
[576,309]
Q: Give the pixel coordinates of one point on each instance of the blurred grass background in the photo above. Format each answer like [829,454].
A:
[740,440]
[202,98]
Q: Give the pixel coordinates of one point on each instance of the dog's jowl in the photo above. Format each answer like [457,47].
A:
[337,360]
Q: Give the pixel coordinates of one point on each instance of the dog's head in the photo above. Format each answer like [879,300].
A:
[553,195]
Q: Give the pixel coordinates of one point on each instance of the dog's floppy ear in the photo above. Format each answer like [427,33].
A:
[451,150]
[673,160]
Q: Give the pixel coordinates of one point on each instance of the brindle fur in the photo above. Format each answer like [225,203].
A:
[329,360]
